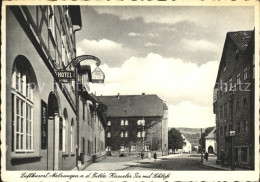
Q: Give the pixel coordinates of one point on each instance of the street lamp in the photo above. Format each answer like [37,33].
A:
[143,135]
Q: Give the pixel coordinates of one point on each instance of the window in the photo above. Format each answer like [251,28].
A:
[72,136]
[122,148]
[126,134]
[230,84]
[237,55]
[245,73]
[221,131]
[143,134]
[238,104]
[238,127]
[126,122]
[225,87]
[22,108]
[225,129]
[244,102]
[225,111]
[245,126]
[221,112]
[139,134]
[244,154]
[122,122]
[146,148]
[83,107]
[108,134]
[238,79]
[122,134]
[133,148]
[141,122]
[108,123]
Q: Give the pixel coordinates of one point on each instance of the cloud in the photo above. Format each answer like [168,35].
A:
[173,80]
[106,50]
[150,44]
[200,45]
[191,115]
[133,34]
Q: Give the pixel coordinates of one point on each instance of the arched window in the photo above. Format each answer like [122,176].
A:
[23,86]
[108,123]
[122,134]
[72,138]
[108,134]
[122,122]
[139,134]
[126,122]
[126,134]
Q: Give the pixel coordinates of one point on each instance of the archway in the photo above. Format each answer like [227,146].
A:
[210,149]
[53,133]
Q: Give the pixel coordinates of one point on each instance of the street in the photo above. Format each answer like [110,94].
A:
[174,162]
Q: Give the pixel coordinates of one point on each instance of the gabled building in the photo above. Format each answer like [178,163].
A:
[98,75]
[187,147]
[234,98]
[136,123]
[210,142]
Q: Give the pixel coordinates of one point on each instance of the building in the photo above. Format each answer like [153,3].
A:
[136,123]
[98,75]
[210,142]
[187,147]
[43,129]
[234,98]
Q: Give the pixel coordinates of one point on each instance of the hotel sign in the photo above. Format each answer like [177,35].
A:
[65,74]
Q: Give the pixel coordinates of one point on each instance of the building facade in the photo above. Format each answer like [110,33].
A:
[210,142]
[43,131]
[136,123]
[234,98]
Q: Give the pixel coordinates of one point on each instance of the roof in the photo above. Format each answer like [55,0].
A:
[133,105]
[241,38]
[211,134]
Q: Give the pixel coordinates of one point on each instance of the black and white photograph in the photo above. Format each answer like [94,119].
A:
[112,91]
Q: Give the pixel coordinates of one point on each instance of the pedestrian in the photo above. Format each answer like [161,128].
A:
[222,157]
[155,156]
[142,155]
[206,156]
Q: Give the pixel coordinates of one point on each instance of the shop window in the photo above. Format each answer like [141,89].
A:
[236,154]
[244,154]
[244,102]
[23,87]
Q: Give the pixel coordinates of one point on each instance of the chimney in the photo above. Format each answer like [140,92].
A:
[118,96]
[143,93]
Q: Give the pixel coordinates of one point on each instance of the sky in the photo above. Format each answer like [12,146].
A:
[173,52]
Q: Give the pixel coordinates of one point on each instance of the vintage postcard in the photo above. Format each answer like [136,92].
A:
[130,90]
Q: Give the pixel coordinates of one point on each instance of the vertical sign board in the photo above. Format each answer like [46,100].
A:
[44,125]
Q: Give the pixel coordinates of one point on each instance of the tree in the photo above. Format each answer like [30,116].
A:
[204,134]
[175,140]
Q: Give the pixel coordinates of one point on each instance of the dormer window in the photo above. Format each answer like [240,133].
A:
[237,55]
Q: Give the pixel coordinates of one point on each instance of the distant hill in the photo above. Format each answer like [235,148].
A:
[192,134]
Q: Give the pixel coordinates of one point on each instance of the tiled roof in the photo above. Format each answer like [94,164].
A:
[241,38]
[211,134]
[133,105]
